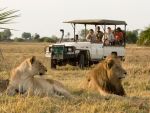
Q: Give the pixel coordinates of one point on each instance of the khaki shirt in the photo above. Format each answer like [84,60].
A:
[91,38]
[99,35]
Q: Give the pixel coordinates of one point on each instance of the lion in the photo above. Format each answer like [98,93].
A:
[23,81]
[106,77]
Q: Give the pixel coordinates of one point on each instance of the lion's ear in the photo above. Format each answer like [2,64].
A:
[110,63]
[32,59]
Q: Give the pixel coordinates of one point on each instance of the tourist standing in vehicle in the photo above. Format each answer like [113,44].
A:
[91,36]
[110,36]
[99,34]
[118,36]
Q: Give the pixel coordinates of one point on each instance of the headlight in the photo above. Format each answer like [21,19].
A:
[48,49]
[70,49]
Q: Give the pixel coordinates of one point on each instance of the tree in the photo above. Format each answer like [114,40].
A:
[26,35]
[132,36]
[82,33]
[7,34]
[54,38]
[36,36]
[144,37]
[6,17]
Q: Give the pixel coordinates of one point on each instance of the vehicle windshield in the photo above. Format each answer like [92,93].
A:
[58,49]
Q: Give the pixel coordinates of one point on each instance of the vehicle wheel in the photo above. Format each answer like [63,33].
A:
[53,64]
[82,61]
[87,59]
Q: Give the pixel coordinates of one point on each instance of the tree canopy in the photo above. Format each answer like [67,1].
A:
[144,37]
[5,35]
[26,35]
[82,33]
[132,36]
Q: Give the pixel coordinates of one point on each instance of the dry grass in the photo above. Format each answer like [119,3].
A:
[137,85]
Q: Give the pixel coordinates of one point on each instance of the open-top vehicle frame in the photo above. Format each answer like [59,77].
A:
[85,53]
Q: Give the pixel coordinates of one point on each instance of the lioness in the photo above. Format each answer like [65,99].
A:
[23,80]
[106,77]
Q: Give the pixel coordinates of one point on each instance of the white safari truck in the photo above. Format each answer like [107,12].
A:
[84,53]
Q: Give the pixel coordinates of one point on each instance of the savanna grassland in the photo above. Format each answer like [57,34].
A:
[136,84]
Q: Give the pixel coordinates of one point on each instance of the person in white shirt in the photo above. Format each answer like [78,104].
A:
[110,36]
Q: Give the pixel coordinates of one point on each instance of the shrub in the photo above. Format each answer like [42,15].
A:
[132,36]
[144,38]
[18,40]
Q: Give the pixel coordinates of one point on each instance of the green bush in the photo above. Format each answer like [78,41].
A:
[144,38]
[132,36]
[19,40]
[48,39]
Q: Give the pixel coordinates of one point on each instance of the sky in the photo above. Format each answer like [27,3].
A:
[45,17]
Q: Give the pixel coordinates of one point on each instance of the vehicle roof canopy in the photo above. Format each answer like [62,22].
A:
[97,22]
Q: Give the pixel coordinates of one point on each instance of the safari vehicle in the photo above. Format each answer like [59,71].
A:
[83,54]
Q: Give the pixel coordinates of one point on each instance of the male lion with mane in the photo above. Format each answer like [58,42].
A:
[106,77]
[23,81]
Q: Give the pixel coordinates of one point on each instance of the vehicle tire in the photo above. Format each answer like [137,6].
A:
[53,64]
[82,61]
[87,59]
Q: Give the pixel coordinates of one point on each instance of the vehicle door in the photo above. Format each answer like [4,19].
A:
[96,51]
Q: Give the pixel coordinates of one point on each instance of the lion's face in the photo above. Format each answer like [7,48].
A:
[115,68]
[37,67]
[106,77]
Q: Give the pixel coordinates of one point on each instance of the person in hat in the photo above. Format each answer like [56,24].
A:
[99,34]
[118,36]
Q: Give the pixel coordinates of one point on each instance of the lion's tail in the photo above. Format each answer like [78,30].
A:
[60,91]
